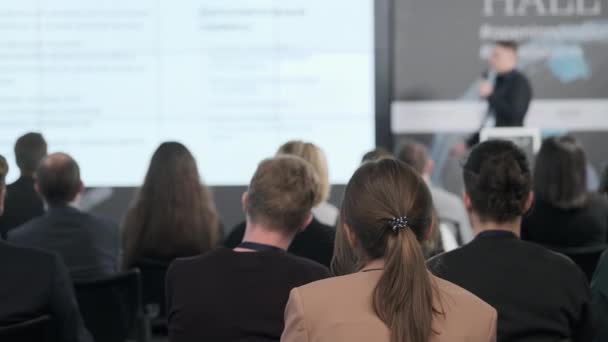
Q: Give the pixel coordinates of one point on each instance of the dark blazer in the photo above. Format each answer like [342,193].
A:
[539,295]
[568,231]
[88,245]
[36,283]
[230,296]
[316,242]
[511,99]
[21,205]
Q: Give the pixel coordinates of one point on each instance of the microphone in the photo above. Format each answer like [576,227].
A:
[485,74]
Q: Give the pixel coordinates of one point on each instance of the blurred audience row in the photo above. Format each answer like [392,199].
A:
[510,259]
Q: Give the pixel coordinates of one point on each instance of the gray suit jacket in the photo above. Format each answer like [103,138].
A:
[88,245]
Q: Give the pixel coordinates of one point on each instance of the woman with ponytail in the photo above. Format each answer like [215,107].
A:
[385,292]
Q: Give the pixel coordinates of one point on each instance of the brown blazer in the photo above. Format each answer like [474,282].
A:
[339,309]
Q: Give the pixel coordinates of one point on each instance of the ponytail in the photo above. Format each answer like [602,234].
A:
[403,297]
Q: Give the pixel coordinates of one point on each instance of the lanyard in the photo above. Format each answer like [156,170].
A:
[259,247]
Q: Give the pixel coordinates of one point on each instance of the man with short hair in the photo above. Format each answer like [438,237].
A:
[89,245]
[240,294]
[36,283]
[23,202]
[449,206]
[510,95]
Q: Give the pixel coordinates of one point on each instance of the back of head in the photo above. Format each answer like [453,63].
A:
[388,207]
[282,193]
[3,173]
[29,151]
[315,156]
[415,155]
[498,181]
[560,173]
[508,44]
[58,179]
[376,154]
[174,214]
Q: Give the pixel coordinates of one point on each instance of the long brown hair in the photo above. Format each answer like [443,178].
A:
[173,214]
[377,193]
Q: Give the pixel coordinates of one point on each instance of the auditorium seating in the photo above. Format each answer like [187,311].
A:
[37,329]
[153,274]
[111,307]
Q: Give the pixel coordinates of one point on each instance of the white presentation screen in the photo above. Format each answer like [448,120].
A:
[108,81]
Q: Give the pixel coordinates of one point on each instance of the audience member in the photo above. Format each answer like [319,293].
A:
[23,202]
[449,206]
[88,245]
[316,242]
[323,211]
[240,294]
[540,295]
[375,154]
[36,283]
[386,212]
[565,217]
[173,214]
[599,294]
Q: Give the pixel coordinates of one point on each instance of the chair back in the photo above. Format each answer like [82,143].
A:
[37,329]
[153,274]
[111,306]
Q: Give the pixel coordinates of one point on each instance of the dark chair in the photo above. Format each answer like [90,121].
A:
[111,307]
[153,274]
[38,329]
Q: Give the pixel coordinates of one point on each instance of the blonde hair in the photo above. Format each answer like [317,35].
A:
[282,193]
[315,156]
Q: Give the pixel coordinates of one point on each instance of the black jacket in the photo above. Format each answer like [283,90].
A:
[568,231]
[540,296]
[21,205]
[36,283]
[230,296]
[88,245]
[316,242]
[510,100]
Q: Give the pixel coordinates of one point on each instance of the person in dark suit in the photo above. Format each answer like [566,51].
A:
[540,295]
[23,202]
[510,94]
[36,283]
[240,294]
[88,245]
[316,242]
[566,217]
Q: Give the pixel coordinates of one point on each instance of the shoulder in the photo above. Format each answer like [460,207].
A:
[23,231]
[214,258]
[456,297]
[299,264]
[340,289]
[99,221]
[460,254]
[31,258]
